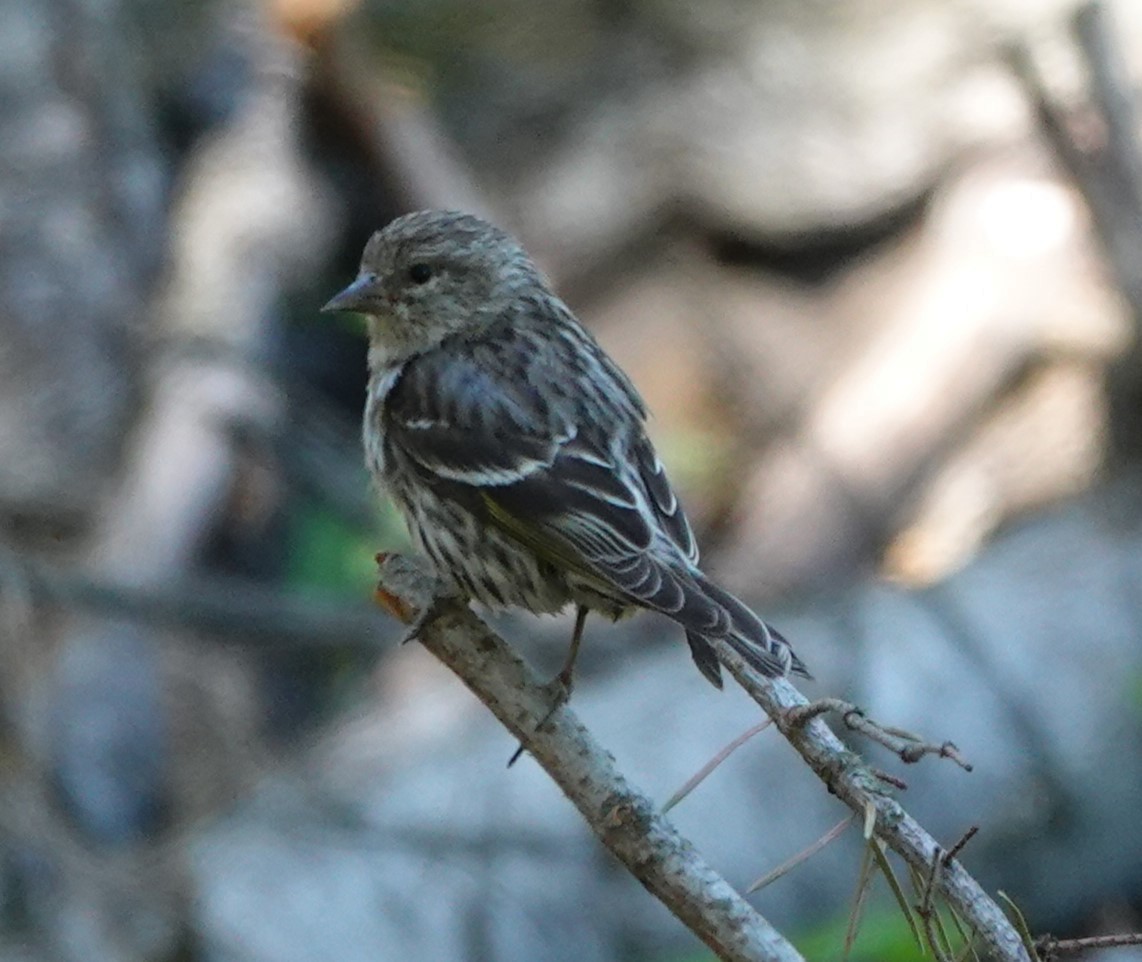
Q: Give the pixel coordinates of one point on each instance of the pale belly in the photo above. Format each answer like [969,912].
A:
[488,566]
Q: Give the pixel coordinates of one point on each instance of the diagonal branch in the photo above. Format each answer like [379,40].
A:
[627,823]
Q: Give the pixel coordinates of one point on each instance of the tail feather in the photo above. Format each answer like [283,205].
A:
[796,665]
[703,654]
[762,647]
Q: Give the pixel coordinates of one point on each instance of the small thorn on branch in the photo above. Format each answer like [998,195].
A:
[955,850]
[890,779]
[908,747]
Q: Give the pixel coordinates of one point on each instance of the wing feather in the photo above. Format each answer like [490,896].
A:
[663,501]
[589,495]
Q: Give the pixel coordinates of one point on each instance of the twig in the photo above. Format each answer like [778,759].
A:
[889,779]
[966,938]
[935,933]
[625,821]
[699,776]
[1020,925]
[860,898]
[927,911]
[641,838]
[908,747]
[791,863]
[955,850]
[1050,947]
[877,847]
[851,780]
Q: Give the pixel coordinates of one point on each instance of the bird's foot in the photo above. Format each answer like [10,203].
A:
[559,688]
[423,617]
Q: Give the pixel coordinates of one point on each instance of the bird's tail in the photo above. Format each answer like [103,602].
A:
[762,647]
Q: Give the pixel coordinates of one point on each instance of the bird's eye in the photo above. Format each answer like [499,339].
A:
[419,273]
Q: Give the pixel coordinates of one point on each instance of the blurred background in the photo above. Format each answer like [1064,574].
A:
[877,268]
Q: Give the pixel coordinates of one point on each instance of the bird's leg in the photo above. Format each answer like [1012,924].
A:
[560,686]
[565,680]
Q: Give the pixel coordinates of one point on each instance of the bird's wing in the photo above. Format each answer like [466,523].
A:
[582,488]
[662,499]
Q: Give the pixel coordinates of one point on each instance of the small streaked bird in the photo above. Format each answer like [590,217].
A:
[516,449]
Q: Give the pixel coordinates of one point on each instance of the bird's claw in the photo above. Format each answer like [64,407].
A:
[422,618]
[559,688]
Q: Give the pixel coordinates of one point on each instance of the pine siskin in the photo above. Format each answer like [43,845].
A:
[515,447]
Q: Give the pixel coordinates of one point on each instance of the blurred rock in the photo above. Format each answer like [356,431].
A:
[1045,442]
[947,328]
[779,123]
[861,109]
[108,736]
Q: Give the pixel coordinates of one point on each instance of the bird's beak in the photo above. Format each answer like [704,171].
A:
[358,296]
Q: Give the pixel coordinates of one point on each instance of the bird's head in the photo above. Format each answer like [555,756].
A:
[432,274]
